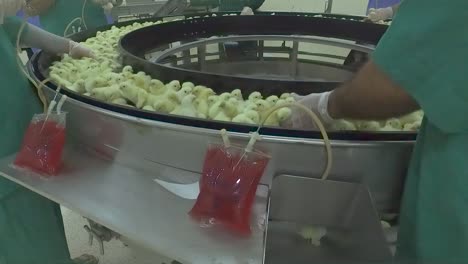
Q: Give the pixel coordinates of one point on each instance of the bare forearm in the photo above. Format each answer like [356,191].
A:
[370,95]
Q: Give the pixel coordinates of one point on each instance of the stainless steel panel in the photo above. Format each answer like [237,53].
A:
[345,210]
[144,144]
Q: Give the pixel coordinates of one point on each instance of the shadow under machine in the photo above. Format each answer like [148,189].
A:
[125,148]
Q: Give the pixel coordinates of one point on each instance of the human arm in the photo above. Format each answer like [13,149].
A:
[33,36]
[370,95]
[425,60]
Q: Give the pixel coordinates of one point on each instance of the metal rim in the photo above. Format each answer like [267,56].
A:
[205,126]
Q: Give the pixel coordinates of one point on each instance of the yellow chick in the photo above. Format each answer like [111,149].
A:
[370,126]
[237,93]
[184,91]
[278,116]
[148,108]
[202,107]
[262,108]
[395,123]
[284,96]
[411,118]
[189,84]
[290,100]
[253,115]
[166,103]
[61,78]
[412,127]
[283,114]
[107,94]
[254,97]
[224,96]
[95,82]
[156,87]
[142,80]
[78,87]
[186,108]
[242,118]
[212,100]
[174,85]
[342,125]
[230,108]
[217,107]
[221,115]
[272,100]
[114,78]
[205,93]
[74,75]
[142,98]
[127,71]
[129,91]
[280,102]
[234,102]
[197,89]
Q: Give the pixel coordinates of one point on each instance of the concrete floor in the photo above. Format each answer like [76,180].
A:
[115,251]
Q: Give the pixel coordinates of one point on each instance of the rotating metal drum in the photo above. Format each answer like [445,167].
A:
[145,140]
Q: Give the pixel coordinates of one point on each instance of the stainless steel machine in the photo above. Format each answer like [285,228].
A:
[114,153]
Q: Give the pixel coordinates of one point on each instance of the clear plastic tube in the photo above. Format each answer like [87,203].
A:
[317,122]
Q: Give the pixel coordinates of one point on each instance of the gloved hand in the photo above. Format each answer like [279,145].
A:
[318,103]
[78,51]
[10,8]
[376,15]
[247,11]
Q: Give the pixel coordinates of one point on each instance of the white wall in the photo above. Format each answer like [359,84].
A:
[352,7]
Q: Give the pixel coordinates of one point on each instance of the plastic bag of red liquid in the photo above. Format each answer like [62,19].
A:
[228,186]
[43,143]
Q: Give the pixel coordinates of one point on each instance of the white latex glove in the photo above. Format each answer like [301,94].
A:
[318,103]
[247,11]
[10,8]
[78,51]
[376,15]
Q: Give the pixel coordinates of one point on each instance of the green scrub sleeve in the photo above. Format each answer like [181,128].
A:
[12,26]
[425,52]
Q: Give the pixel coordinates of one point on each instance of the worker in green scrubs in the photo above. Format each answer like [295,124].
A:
[421,62]
[62,12]
[31,226]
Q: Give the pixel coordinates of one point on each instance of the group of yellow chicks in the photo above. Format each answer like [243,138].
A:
[105,79]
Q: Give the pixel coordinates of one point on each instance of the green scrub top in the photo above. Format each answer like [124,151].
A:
[57,18]
[425,51]
[31,226]
[18,99]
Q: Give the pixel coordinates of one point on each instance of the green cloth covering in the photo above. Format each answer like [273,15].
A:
[31,227]
[425,52]
[57,18]
[18,99]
